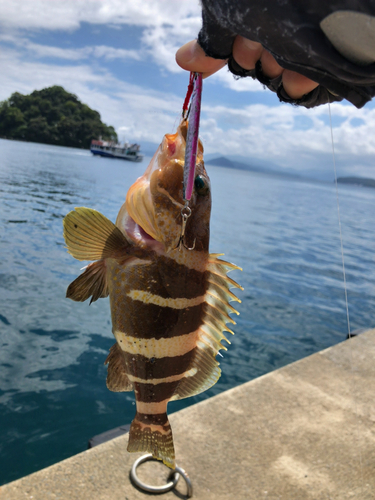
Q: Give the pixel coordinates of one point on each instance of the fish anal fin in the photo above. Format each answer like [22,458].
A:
[89,235]
[91,283]
[117,379]
[203,374]
[153,434]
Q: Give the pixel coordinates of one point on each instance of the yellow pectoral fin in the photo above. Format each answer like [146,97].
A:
[89,235]
[91,283]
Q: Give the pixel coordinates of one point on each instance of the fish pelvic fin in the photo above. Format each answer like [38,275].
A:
[153,434]
[89,235]
[91,283]
[117,379]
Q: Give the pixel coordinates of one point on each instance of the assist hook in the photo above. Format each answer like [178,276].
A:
[185,214]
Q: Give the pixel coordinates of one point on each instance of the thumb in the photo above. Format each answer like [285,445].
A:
[191,57]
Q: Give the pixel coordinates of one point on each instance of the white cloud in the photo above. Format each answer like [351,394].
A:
[265,133]
[112,53]
[37,50]
[162,41]
[26,76]
[167,24]
[100,51]
[68,14]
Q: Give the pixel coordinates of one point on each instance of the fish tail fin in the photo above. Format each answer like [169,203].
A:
[153,434]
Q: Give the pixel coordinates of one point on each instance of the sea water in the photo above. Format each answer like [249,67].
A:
[283,232]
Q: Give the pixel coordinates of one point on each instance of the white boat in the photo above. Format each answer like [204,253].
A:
[124,151]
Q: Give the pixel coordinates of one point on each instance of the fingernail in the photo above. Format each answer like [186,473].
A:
[187,52]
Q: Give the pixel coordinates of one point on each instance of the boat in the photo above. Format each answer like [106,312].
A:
[130,152]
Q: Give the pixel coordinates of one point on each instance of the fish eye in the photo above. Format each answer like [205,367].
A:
[201,185]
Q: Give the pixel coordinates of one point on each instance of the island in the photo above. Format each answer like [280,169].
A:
[52,116]
[358,181]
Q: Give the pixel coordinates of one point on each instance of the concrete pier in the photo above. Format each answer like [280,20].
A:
[303,432]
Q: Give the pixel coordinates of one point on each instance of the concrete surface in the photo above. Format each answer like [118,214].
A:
[305,431]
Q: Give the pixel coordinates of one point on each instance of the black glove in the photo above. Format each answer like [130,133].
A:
[332,45]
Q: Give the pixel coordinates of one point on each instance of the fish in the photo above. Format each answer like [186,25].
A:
[169,297]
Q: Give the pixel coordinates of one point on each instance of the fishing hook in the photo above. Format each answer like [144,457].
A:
[185,214]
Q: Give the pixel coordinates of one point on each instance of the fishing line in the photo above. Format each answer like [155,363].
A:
[339,219]
[345,290]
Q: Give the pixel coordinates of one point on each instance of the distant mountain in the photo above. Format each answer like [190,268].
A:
[358,181]
[222,161]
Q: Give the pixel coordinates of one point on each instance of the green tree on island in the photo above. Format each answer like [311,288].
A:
[52,116]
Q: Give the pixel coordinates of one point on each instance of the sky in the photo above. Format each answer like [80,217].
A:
[118,56]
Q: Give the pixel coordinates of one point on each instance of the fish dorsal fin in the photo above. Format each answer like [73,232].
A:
[117,379]
[204,370]
[89,235]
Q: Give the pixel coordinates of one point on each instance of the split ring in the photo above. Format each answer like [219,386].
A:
[173,478]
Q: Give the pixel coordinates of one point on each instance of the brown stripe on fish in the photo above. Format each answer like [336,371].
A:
[147,321]
[145,368]
[150,393]
[162,276]
[152,419]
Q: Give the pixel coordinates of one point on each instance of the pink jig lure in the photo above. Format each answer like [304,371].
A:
[194,89]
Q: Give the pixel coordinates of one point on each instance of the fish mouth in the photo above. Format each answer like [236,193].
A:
[140,237]
[152,213]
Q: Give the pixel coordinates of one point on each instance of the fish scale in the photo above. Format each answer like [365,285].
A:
[169,304]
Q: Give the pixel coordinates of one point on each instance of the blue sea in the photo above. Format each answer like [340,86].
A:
[283,232]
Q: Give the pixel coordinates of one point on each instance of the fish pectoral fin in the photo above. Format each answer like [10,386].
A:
[91,283]
[117,379]
[153,434]
[89,235]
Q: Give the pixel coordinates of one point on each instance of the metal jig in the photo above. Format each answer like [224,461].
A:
[192,112]
[185,214]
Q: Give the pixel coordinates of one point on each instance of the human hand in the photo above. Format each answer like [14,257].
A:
[246,53]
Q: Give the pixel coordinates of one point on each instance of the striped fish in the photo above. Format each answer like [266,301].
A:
[169,303]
